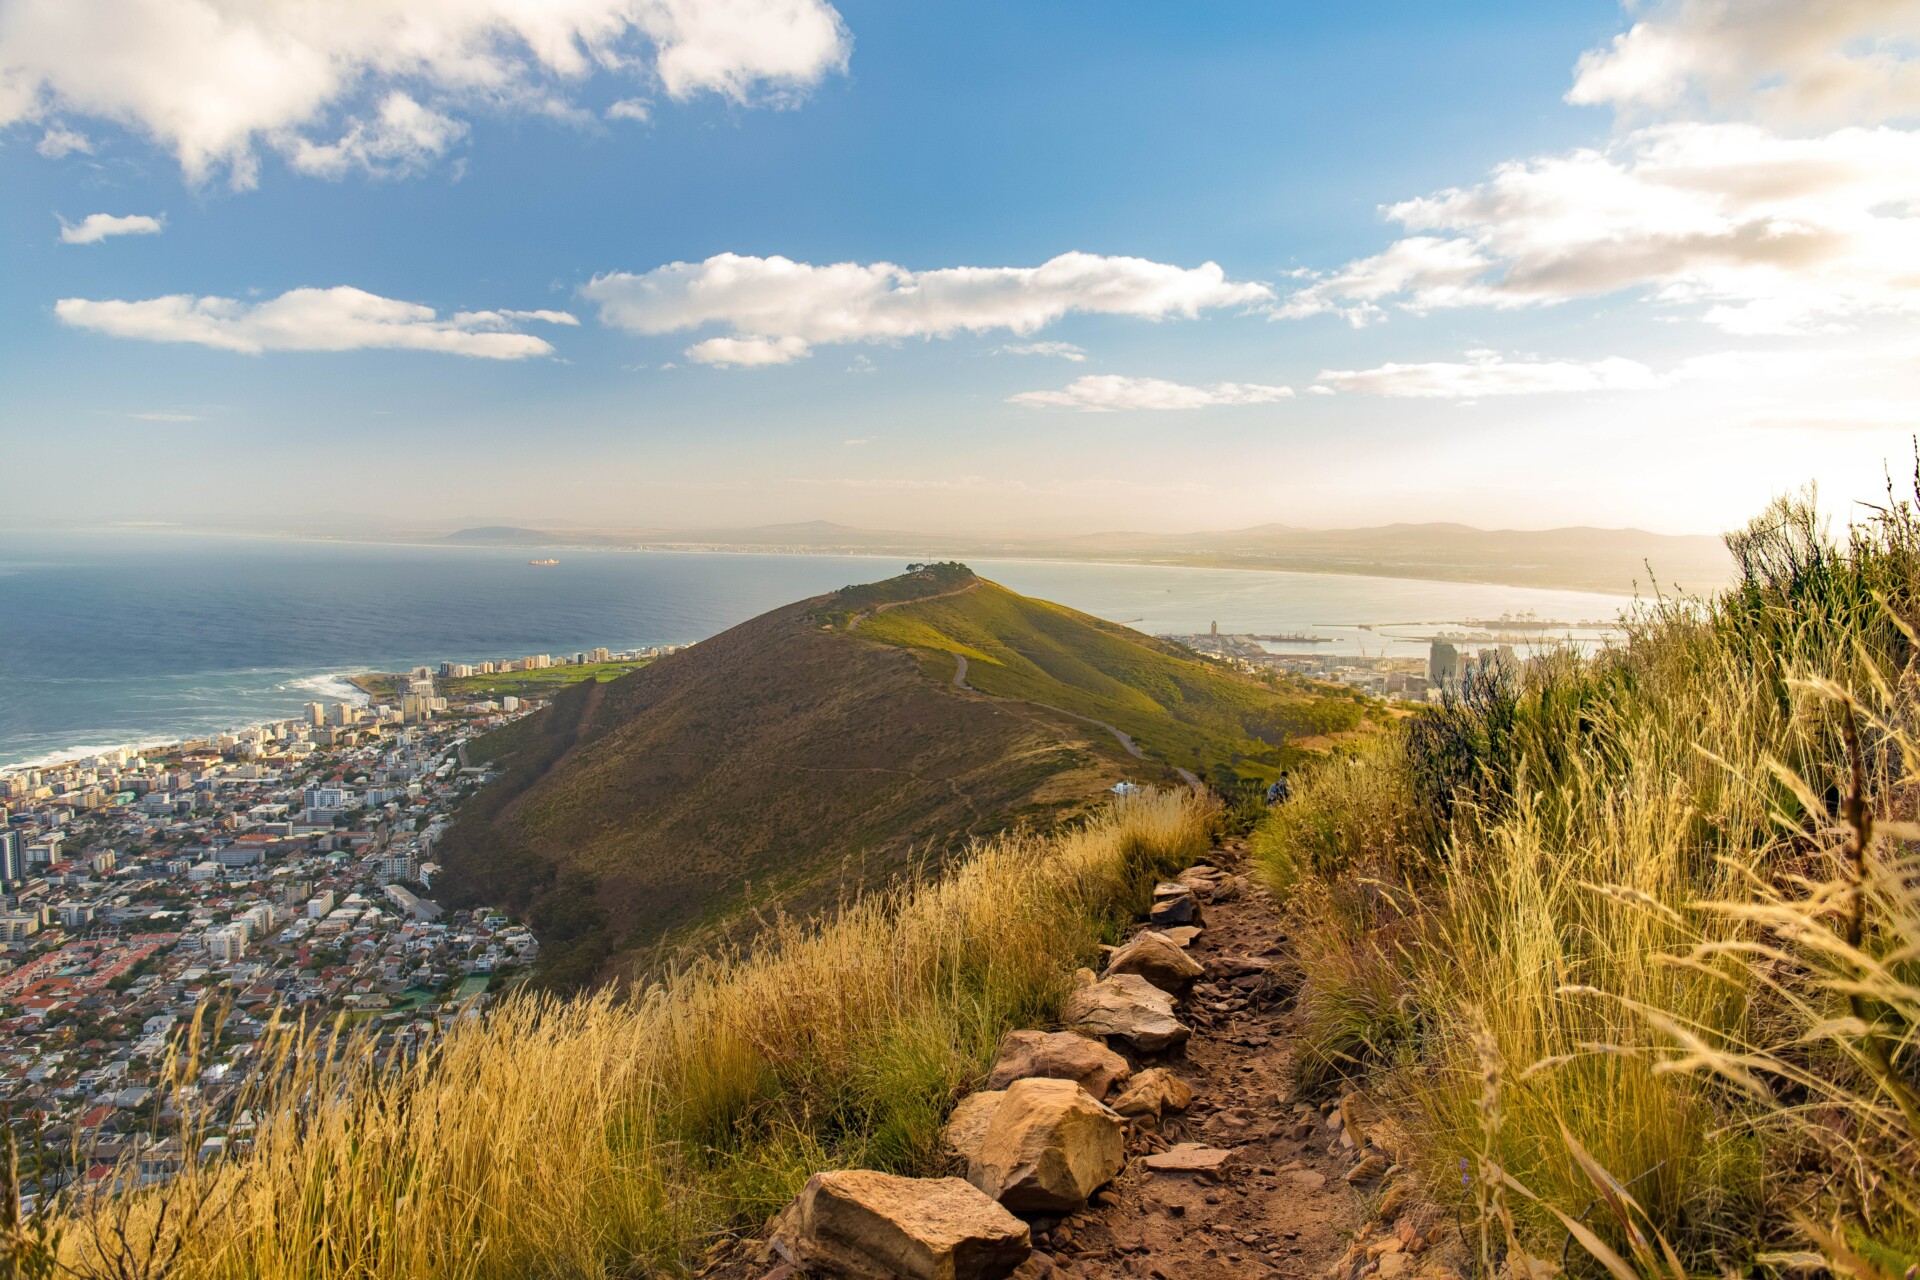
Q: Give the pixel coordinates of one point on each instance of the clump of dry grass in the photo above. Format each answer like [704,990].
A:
[1667,899]
[610,1135]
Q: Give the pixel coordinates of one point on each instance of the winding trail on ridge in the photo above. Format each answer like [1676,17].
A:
[1122,736]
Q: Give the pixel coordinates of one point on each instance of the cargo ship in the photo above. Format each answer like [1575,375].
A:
[543,562]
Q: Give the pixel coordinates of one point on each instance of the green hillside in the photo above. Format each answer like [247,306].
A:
[823,749]
[1182,711]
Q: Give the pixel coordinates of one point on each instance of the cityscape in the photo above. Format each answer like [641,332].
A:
[282,871]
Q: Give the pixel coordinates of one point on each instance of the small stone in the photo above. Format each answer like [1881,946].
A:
[1152,1092]
[1371,1167]
[1188,1157]
[1182,909]
[1158,959]
[1307,1179]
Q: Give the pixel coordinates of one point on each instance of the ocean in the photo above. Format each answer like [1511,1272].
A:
[133,638]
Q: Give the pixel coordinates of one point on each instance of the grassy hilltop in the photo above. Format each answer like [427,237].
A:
[1185,713]
[823,748]
[1655,914]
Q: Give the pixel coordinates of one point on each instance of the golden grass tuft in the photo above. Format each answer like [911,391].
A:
[620,1136]
[1664,904]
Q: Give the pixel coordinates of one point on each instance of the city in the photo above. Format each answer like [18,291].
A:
[280,872]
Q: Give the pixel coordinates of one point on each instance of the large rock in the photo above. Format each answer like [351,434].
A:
[1049,1147]
[1126,1007]
[855,1224]
[967,1126]
[1153,1091]
[1058,1055]
[1158,959]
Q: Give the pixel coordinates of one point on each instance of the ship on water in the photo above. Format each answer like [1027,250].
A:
[538,562]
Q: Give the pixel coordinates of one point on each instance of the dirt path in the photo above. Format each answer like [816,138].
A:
[1279,1206]
[1122,736]
[853,623]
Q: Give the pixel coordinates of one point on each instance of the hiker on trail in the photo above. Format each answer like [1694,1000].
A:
[1280,792]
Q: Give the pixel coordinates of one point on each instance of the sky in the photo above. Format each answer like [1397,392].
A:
[950,267]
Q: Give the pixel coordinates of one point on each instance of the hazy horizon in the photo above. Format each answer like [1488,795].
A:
[1049,269]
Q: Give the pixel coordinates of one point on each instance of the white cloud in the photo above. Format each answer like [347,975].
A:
[158,416]
[211,80]
[500,319]
[337,319]
[1763,234]
[1106,393]
[1711,202]
[1486,373]
[1792,63]
[777,308]
[857,440]
[60,141]
[639,110]
[403,138]
[1059,350]
[747,353]
[96,227]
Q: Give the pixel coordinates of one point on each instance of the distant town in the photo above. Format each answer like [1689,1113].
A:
[1403,678]
[284,868]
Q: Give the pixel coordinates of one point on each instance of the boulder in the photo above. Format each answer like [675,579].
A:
[1058,1055]
[1180,908]
[1050,1146]
[967,1126]
[1182,934]
[1158,959]
[855,1224]
[1152,1092]
[1126,1007]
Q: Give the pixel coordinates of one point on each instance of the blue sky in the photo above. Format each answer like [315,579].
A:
[1627,328]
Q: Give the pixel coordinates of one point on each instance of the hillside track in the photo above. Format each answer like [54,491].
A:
[1124,738]
[1280,1206]
[853,623]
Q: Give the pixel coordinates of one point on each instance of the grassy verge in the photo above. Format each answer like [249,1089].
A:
[1632,941]
[616,1136]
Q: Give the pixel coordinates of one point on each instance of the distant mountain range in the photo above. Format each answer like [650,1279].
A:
[1616,560]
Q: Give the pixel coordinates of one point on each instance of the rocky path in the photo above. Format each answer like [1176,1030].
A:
[1279,1204]
[1199,1162]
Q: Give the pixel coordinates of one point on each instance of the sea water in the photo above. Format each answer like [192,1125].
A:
[128,638]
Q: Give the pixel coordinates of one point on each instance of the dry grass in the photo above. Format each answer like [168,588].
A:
[613,1136]
[1667,901]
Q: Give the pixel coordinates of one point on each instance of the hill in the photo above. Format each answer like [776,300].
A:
[821,749]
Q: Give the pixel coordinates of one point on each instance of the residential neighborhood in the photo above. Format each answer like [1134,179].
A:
[281,872]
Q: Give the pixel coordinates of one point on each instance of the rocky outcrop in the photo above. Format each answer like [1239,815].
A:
[1049,1147]
[1058,1055]
[1158,959]
[855,1224]
[1152,1093]
[1126,1007]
